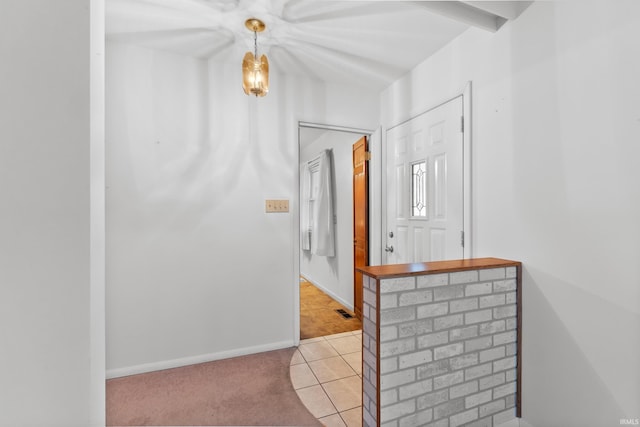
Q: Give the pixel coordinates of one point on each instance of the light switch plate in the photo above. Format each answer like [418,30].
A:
[276,205]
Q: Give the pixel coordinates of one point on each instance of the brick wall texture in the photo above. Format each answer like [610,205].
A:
[447,349]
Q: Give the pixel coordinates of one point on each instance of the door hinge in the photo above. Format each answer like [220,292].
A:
[462,239]
[462,124]
[367,155]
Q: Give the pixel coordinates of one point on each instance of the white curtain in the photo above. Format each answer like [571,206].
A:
[323,240]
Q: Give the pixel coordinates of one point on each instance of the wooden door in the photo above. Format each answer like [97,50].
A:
[425,187]
[360,219]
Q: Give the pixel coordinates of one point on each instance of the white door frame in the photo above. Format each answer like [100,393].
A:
[466,168]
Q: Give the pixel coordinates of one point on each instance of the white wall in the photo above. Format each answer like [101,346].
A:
[196,270]
[556,127]
[334,275]
[51,289]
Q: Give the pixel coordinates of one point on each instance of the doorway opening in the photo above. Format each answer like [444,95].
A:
[327,277]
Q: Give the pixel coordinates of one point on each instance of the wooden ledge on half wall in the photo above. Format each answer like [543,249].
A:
[435,267]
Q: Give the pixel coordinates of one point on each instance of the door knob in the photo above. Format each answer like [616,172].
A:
[389,249]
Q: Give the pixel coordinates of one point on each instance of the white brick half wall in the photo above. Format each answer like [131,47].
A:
[440,347]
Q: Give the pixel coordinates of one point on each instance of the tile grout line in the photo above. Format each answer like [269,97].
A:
[321,384]
[318,380]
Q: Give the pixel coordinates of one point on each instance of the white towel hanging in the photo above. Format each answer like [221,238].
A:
[305,224]
[323,228]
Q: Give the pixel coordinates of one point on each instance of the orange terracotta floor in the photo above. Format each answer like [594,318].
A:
[318,315]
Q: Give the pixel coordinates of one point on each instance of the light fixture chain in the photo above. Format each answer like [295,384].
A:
[255,45]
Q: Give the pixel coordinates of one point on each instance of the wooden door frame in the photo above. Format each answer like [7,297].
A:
[359,210]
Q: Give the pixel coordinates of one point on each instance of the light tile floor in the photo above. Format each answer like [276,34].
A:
[326,372]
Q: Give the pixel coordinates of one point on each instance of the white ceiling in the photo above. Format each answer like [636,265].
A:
[370,43]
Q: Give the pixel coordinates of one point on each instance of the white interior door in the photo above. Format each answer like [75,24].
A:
[424,191]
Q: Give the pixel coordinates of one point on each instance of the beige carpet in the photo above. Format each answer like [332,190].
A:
[252,390]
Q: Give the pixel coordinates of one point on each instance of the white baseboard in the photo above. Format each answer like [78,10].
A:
[328,292]
[192,360]
[511,423]
[515,422]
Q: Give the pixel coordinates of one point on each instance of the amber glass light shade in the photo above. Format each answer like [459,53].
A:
[255,75]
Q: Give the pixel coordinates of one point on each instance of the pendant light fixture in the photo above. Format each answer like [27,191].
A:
[255,71]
